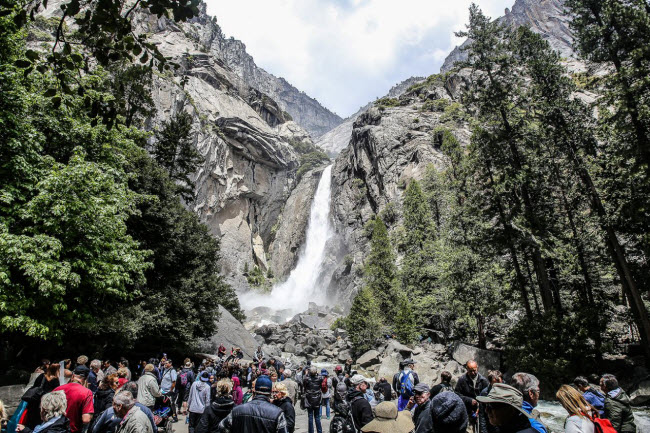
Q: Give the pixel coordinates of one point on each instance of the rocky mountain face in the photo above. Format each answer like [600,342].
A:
[337,139]
[545,17]
[389,146]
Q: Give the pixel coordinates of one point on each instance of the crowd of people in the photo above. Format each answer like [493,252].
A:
[106,397]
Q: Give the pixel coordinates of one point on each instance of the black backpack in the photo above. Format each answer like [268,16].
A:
[342,421]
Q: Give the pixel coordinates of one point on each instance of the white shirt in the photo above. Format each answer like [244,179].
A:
[576,424]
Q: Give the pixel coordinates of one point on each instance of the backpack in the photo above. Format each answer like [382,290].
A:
[406,385]
[602,425]
[342,421]
[445,388]
[323,386]
[183,377]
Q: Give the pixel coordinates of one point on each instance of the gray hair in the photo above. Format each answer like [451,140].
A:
[525,382]
[132,387]
[124,399]
[313,371]
[287,373]
[95,364]
[54,404]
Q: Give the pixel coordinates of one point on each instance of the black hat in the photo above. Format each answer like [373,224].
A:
[448,413]
[81,370]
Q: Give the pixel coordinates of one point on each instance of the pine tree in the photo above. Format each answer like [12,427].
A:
[174,150]
[380,270]
[364,321]
[405,327]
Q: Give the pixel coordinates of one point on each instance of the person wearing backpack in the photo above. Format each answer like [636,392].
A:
[593,396]
[184,382]
[326,387]
[312,385]
[406,382]
[359,408]
[444,385]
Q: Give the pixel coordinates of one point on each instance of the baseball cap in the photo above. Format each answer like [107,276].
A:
[205,376]
[421,387]
[324,372]
[357,379]
[263,385]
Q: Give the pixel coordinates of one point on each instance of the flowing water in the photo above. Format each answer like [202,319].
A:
[553,415]
[301,288]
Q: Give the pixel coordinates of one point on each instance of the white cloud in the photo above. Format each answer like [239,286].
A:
[347,52]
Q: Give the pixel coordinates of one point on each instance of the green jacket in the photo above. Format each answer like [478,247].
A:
[619,411]
[135,421]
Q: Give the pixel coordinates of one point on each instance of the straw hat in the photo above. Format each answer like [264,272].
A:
[388,420]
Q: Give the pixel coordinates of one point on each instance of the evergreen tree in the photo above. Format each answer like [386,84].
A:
[174,150]
[405,327]
[380,270]
[364,321]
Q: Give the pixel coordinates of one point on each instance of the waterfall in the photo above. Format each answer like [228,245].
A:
[301,287]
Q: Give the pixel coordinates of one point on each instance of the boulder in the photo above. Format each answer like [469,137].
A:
[10,396]
[290,347]
[486,359]
[344,355]
[389,366]
[395,346]
[642,394]
[369,358]
[230,333]
[340,332]
[271,350]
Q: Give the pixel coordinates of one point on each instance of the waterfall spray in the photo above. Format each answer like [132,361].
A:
[301,287]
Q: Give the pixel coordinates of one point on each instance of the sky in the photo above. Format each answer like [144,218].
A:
[346,53]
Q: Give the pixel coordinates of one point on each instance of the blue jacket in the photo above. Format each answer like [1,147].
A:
[596,399]
[534,423]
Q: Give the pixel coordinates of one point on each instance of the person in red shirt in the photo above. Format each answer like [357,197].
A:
[80,401]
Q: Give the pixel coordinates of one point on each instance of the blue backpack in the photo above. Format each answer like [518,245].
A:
[406,384]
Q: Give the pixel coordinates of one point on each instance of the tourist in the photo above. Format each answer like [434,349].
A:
[593,396]
[469,386]
[580,412]
[52,414]
[132,387]
[281,400]
[4,416]
[449,413]
[313,398]
[396,377]
[168,385]
[347,369]
[108,368]
[326,390]
[105,393]
[258,415]
[292,386]
[494,376]
[125,364]
[237,393]
[93,375]
[383,387]
[148,388]
[273,376]
[422,412]
[218,410]
[406,382]
[389,420]
[134,420]
[48,382]
[617,405]
[528,385]
[359,407]
[79,401]
[184,382]
[504,409]
[122,376]
[444,385]
[81,366]
[198,399]
[259,354]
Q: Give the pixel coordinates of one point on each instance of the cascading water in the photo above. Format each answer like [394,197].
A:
[301,287]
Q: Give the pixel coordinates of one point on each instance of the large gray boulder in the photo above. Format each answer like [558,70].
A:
[369,358]
[642,394]
[10,396]
[230,333]
[486,359]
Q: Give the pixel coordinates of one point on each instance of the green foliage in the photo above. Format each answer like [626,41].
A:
[386,102]
[309,161]
[380,271]
[453,112]
[364,321]
[339,322]
[436,105]
[256,277]
[405,326]
[174,150]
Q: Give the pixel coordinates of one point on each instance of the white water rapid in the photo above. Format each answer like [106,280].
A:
[301,287]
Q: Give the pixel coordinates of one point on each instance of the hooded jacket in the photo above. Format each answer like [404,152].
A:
[237,393]
[214,414]
[619,411]
[103,400]
[360,409]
